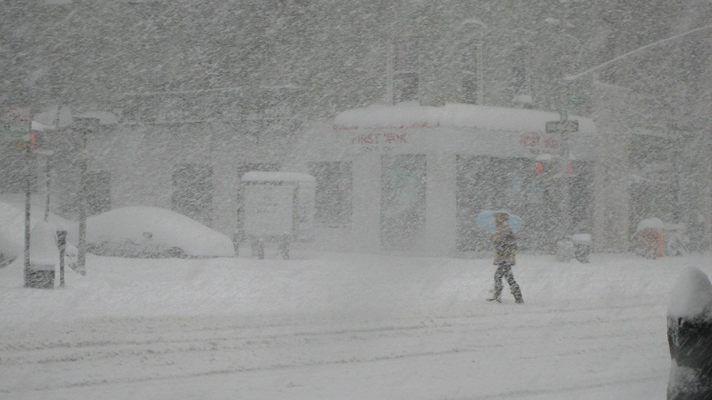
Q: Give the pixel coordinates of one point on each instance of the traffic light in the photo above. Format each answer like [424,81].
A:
[570,168]
[544,164]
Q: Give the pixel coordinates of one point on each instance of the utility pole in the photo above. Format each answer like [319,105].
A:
[83,126]
[48,166]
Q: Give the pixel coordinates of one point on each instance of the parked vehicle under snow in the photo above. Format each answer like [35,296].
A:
[153,232]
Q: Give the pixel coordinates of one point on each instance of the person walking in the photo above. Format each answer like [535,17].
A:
[505,248]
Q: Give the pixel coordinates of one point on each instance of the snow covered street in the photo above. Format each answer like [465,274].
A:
[335,326]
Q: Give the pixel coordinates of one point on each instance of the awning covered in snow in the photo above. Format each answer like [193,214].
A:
[450,129]
[452,115]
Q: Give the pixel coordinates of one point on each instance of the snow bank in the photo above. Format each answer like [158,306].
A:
[153,226]
[335,285]
[692,295]
[453,115]
[12,227]
[43,244]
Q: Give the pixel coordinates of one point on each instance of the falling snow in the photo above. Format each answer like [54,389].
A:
[287,198]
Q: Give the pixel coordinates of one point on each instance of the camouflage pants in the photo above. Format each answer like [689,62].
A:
[504,269]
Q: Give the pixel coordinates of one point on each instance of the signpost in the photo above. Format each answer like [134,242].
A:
[62,245]
[564,127]
[15,126]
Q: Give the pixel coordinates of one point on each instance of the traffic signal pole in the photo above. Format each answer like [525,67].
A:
[565,205]
[563,128]
[28,194]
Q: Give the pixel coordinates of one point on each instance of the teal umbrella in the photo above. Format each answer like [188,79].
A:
[486,220]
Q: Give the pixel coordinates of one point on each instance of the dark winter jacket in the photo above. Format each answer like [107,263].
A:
[505,246]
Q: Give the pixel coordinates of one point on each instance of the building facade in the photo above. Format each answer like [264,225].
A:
[206,91]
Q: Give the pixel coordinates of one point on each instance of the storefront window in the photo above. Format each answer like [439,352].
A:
[654,187]
[405,71]
[98,192]
[193,191]
[333,192]
[403,186]
[470,74]
[489,183]
[520,80]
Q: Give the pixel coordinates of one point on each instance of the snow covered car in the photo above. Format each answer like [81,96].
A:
[152,232]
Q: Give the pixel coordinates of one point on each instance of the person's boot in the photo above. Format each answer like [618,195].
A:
[496,298]
[517,293]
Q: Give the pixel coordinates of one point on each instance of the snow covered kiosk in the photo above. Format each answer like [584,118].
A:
[278,207]
[412,178]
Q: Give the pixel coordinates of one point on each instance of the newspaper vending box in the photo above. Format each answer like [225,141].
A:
[278,208]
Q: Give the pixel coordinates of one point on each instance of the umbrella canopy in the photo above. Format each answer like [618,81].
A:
[486,220]
[650,223]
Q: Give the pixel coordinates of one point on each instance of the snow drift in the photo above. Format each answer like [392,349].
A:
[12,229]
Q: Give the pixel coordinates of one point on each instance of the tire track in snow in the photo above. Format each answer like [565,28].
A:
[424,323]
[84,352]
[445,325]
[514,394]
[322,363]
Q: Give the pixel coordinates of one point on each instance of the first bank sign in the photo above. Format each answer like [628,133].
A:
[381,136]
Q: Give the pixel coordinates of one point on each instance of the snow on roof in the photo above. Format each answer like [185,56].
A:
[451,115]
[64,116]
[262,176]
